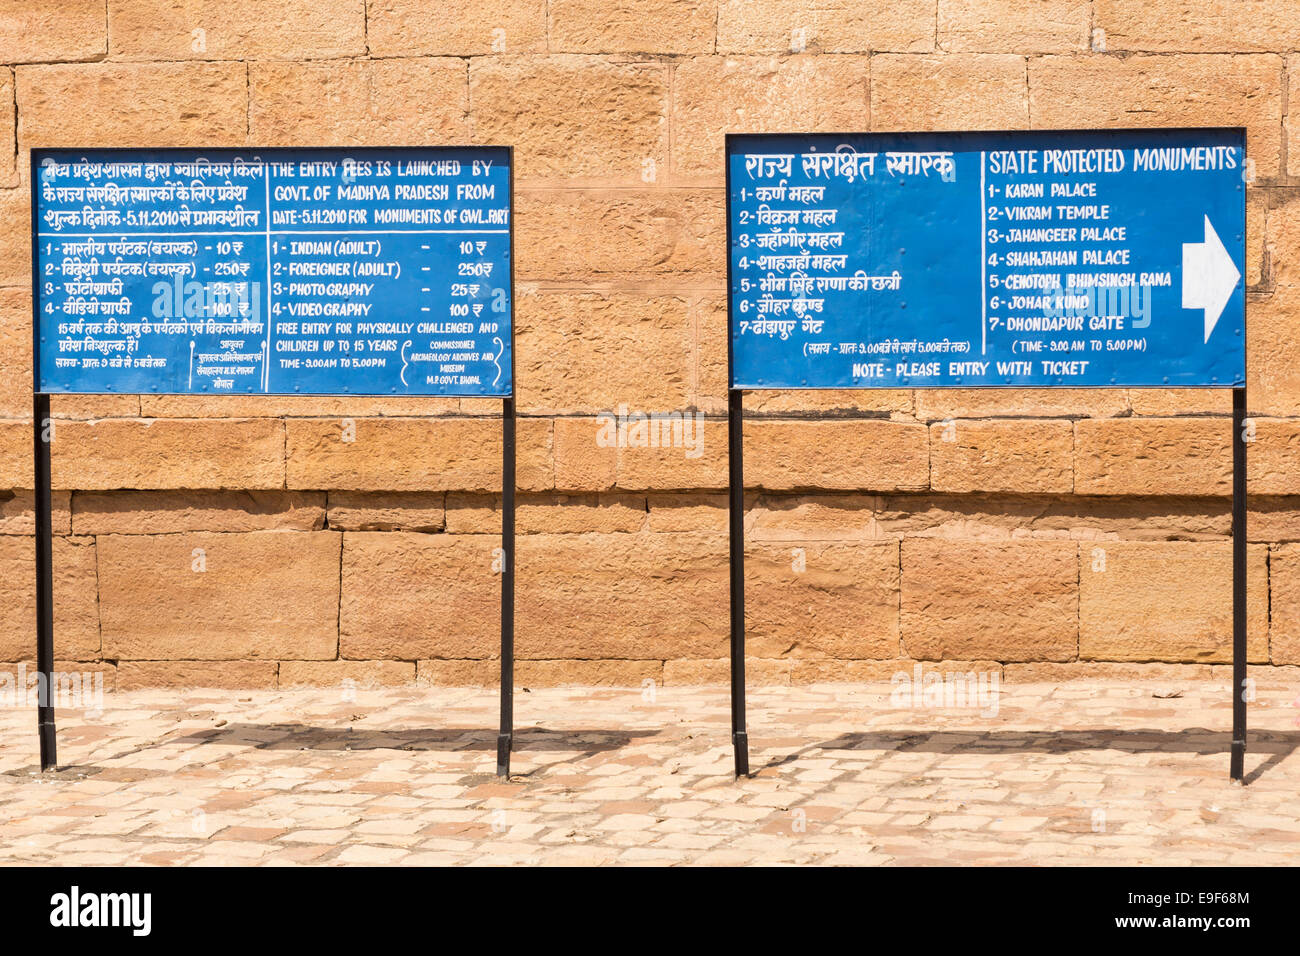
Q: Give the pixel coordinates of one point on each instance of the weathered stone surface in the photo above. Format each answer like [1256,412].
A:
[797,518]
[578,514]
[1013,26]
[1159,674]
[632,234]
[822,600]
[1273,458]
[867,455]
[76,611]
[235,29]
[1284,582]
[632,26]
[935,404]
[458,673]
[703,464]
[824,26]
[264,595]
[1168,601]
[1006,456]
[134,675]
[300,406]
[170,512]
[346,674]
[717,95]
[1176,90]
[758,672]
[412,596]
[387,511]
[16,242]
[1060,518]
[1169,402]
[830,402]
[8,130]
[123,453]
[1273,352]
[584,461]
[418,102]
[588,673]
[15,352]
[599,351]
[127,104]
[84,407]
[16,454]
[954,91]
[621,596]
[1196,26]
[968,600]
[67,30]
[1153,456]
[573,118]
[455,27]
[412,454]
[18,516]
[688,512]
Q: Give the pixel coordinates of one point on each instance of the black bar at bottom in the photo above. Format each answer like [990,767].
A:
[44,582]
[736,514]
[1238,763]
[505,739]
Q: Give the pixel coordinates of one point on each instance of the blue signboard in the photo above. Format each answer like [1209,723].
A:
[1045,259]
[273,271]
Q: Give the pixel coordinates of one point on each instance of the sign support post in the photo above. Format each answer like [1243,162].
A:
[42,434]
[736,518]
[505,739]
[1237,769]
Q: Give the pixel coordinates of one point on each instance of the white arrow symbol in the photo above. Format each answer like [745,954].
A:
[1209,276]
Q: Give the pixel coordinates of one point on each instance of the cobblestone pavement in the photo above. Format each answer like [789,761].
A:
[1081,772]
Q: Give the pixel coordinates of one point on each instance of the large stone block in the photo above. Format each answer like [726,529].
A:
[76,610]
[968,600]
[16,242]
[621,234]
[418,102]
[602,351]
[825,26]
[412,454]
[411,596]
[1030,457]
[1273,352]
[953,91]
[573,119]
[717,95]
[1167,601]
[15,352]
[1014,26]
[266,595]
[1077,92]
[861,455]
[1153,456]
[115,453]
[621,596]
[632,26]
[169,512]
[235,29]
[66,30]
[129,104]
[455,27]
[585,460]
[822,600]
[933,404]
[1196,26]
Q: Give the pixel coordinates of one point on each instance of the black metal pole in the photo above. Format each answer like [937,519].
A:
[505,738]
[41,439]
[736,508]
[1238,584]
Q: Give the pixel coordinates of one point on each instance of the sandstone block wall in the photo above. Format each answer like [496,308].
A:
[277,541]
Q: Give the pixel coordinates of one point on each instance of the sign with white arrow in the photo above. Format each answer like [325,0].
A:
[1105,258]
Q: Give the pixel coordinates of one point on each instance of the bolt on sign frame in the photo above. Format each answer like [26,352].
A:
[1044,259]
[382,271]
